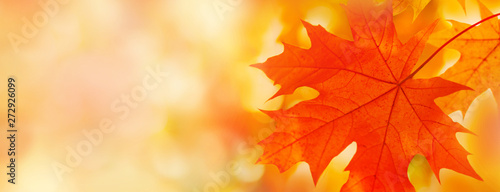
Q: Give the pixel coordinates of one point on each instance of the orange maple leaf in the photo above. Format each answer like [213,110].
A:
[479,64]
[368,96]
[401,5]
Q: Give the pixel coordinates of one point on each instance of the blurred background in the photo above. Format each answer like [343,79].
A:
[81,63]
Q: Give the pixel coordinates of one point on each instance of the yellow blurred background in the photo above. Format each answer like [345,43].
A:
[78,64]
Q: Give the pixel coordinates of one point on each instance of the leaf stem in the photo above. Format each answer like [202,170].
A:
[448,42]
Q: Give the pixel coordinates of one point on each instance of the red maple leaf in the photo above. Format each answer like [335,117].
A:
[478,66]
[368,96]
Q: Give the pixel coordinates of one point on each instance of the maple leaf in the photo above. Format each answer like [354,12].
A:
[368,96]
[479,64]
[401,5]
[418,6]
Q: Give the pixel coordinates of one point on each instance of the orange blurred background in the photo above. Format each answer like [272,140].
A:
[85,62]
